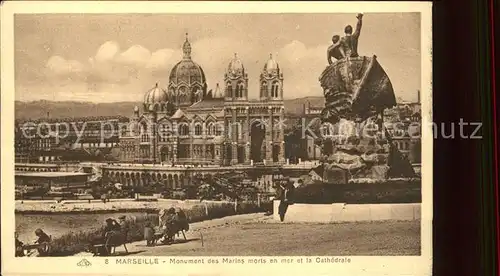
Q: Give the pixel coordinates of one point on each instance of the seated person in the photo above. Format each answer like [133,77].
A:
[42,238]
[336,50]
[168,224]
[111,227]
[124,225]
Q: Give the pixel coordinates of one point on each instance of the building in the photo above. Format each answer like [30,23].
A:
[403,122]
[310,111]
[68,139]
[186,124]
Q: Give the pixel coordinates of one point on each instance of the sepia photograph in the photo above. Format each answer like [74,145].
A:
[248,136]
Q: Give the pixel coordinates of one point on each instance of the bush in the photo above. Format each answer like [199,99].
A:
[73,243]
[360,193]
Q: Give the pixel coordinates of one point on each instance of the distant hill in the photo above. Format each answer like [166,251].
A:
[39,109]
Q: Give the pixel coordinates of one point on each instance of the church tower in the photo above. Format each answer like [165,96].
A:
[236,81]
[271,81]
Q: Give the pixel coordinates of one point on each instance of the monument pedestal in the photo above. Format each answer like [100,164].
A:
[359,150]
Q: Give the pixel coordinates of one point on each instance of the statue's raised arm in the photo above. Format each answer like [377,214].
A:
[358,25]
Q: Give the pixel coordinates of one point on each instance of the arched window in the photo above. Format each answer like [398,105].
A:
[183,130]
[229,89]
[240,89]
[275,90]
[211,129]
[218,128]
[198,130]
[263,89]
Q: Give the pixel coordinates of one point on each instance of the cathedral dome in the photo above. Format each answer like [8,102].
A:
[235,66]
[188,73]
[155,95]
[271,65]
[186,78]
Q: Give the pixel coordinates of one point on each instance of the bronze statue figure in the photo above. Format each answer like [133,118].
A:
[336,50]
[350,40]
[356,88]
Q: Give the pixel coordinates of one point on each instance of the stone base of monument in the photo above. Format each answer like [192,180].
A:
[341,212]
[360,155]
[357,158]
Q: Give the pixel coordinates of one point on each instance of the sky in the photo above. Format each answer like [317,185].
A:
[118,57]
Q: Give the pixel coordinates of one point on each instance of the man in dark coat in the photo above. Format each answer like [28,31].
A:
[286,198]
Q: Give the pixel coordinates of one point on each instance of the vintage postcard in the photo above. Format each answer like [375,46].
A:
[216,138]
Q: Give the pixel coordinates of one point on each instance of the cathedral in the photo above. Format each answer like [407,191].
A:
[186,124]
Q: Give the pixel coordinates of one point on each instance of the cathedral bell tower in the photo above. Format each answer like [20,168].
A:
[236,81]
[271,81]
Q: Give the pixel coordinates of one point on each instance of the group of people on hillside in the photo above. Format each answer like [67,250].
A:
[42,241]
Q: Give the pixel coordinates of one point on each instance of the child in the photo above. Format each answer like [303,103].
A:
[149,233]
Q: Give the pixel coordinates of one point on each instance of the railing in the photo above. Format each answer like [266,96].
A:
[303,165]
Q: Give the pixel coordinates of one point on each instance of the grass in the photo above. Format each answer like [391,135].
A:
[387,238]
[72,243]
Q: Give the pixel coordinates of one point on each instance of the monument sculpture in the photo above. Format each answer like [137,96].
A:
[357,90]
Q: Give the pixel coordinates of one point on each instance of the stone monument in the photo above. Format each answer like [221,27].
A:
[357,90]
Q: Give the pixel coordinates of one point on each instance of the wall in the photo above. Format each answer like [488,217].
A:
[340,212]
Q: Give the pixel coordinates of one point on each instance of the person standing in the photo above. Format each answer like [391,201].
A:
[286,199]
[350,40]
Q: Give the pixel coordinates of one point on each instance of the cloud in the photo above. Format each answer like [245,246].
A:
[307,64]
[110,65]
[109,75]
[60,66]
[160,59]
[111,71]
[294,51]
[136,55]
[107,51]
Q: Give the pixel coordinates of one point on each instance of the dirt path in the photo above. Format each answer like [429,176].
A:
[260,235]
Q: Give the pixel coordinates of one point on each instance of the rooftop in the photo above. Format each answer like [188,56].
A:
[209,103]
